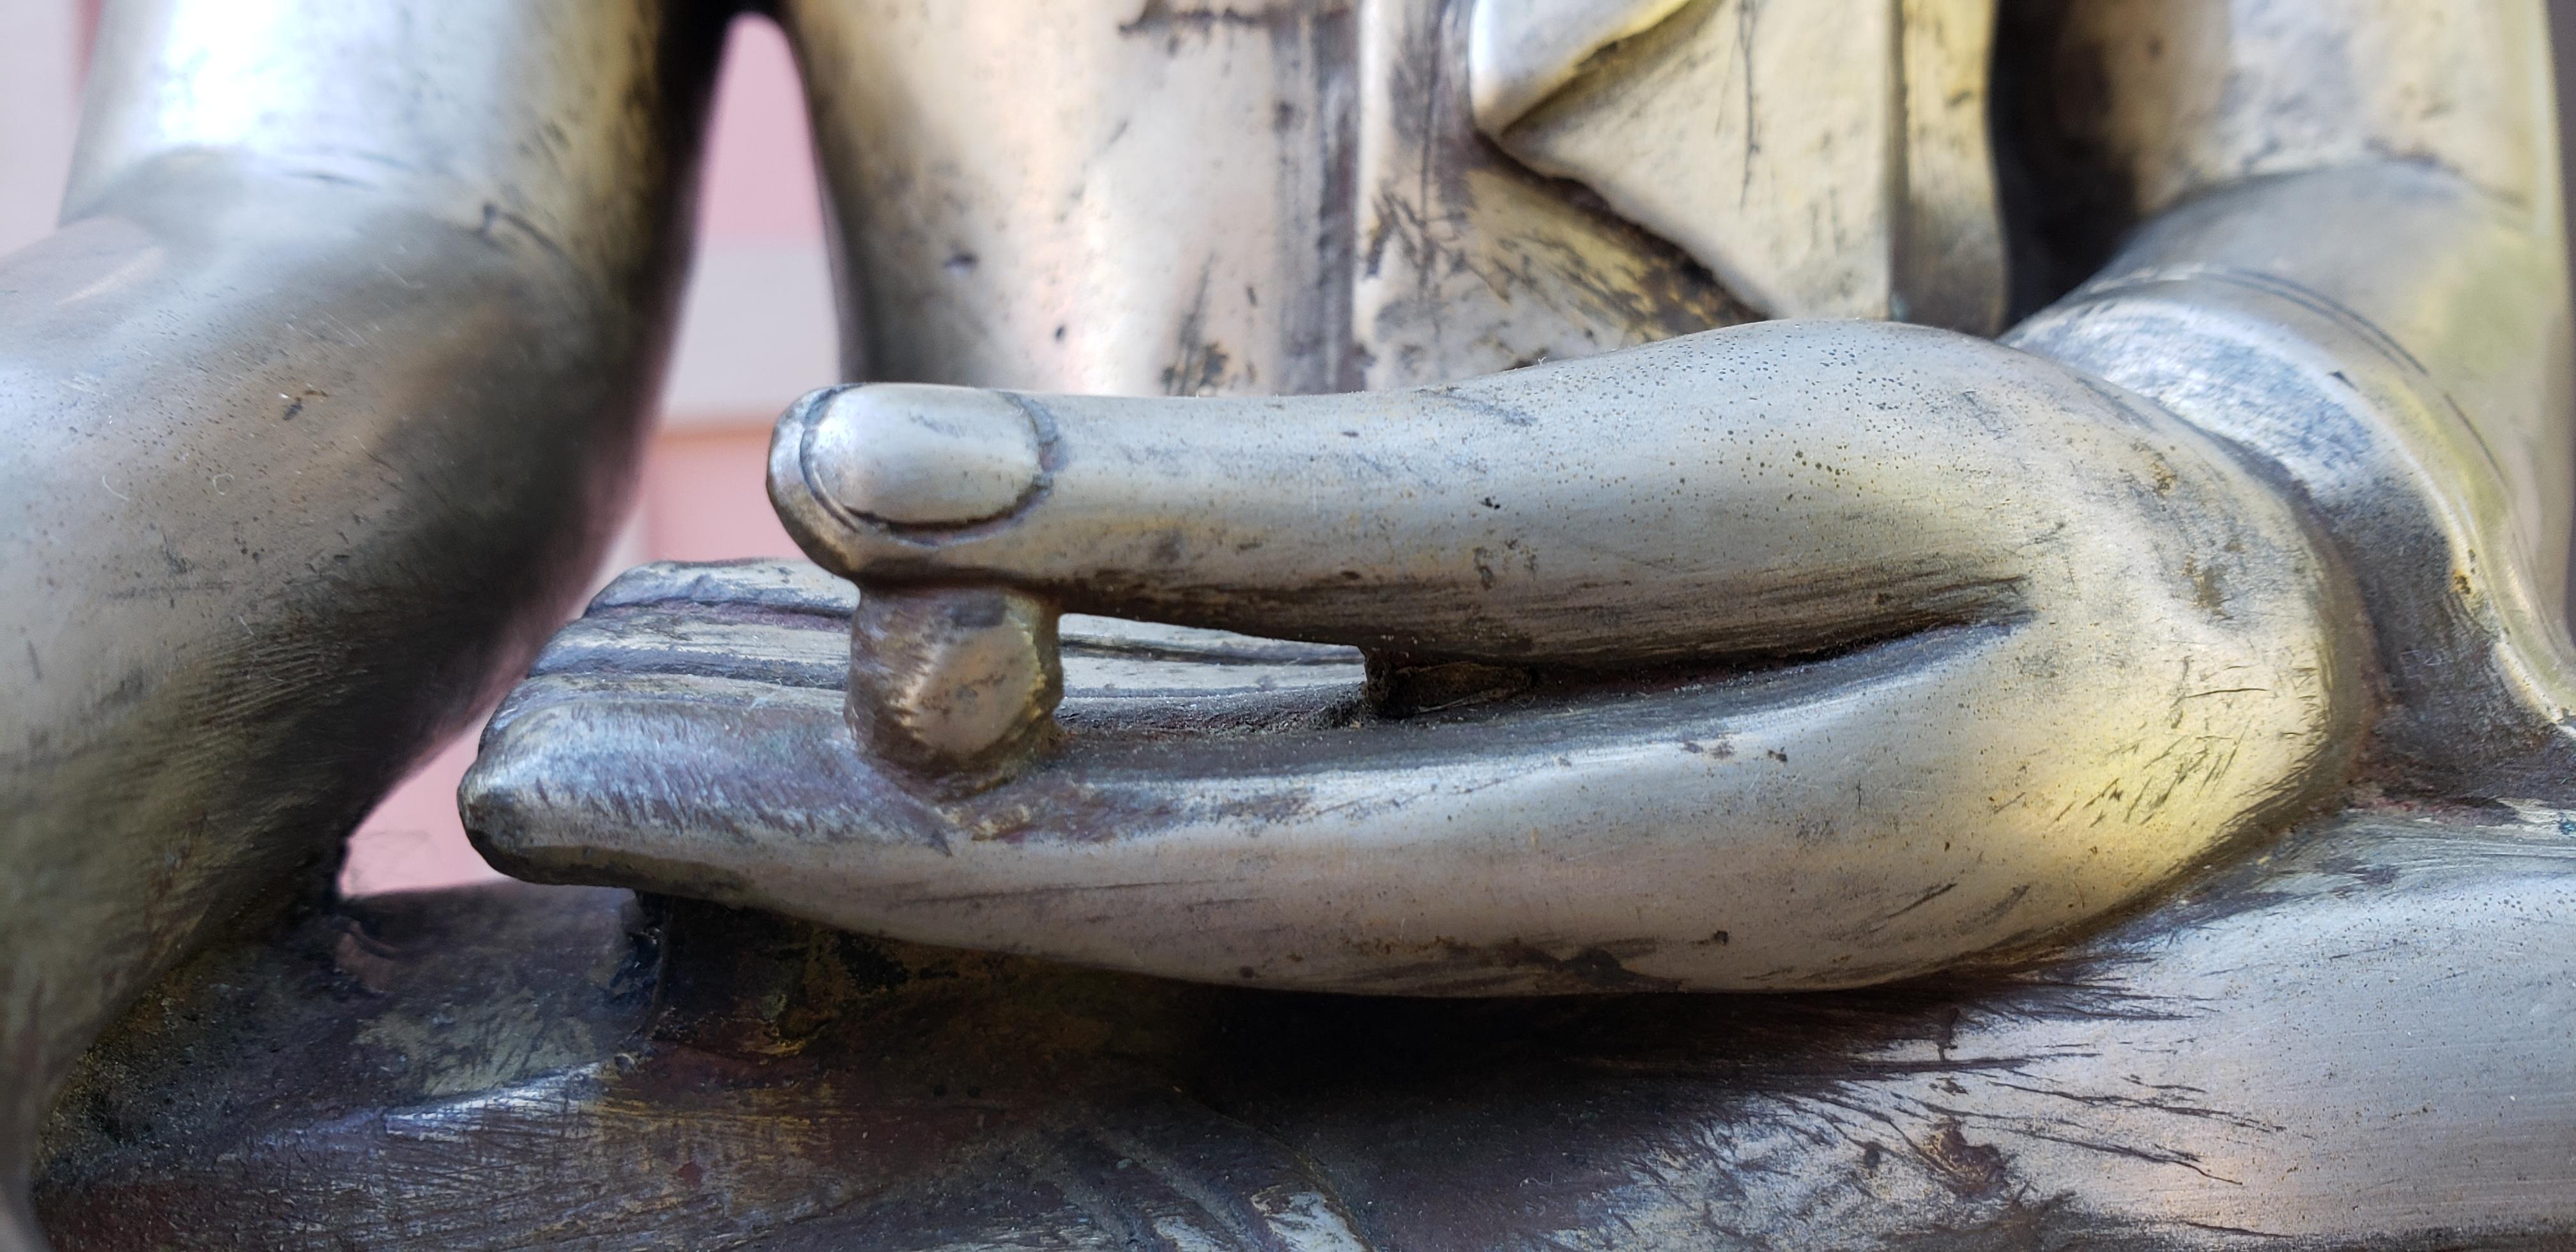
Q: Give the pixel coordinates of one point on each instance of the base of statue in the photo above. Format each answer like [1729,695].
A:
[2361,1035]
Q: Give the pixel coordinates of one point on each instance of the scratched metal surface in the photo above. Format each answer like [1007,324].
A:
[2360,1038]
[1265,823]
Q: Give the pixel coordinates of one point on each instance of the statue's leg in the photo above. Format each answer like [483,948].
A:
[318,410]
[2359,1038]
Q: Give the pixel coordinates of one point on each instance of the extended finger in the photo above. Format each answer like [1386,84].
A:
[1772,489]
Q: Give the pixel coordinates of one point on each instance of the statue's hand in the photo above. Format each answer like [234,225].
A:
[1795,655]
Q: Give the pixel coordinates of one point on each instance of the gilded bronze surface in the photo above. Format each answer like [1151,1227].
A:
[1364,544]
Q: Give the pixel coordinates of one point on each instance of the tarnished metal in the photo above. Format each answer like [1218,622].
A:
[2355,1038]
[2175,690]
[320,405]
[2008,746]
[1872,195]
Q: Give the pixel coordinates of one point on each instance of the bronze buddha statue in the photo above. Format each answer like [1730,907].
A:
[1369,544]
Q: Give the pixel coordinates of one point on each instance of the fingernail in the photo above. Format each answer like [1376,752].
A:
[918,455]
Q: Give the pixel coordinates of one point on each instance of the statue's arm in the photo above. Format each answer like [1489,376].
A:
[318,409]
[2345,252]
[2024,647]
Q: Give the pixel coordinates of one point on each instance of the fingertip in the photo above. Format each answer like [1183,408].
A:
[905,459]
[801,508]
[911,454]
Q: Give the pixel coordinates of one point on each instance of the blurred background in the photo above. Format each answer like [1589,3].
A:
[756,332]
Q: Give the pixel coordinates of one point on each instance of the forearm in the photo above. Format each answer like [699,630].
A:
[2350,262]
[311,443]
[2188,103]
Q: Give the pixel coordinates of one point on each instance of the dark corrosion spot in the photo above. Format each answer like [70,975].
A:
[1970,1169]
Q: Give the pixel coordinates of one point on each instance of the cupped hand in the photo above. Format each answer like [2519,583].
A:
[1793,655]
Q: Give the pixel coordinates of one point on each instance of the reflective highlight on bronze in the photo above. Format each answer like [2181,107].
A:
[1312,509]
